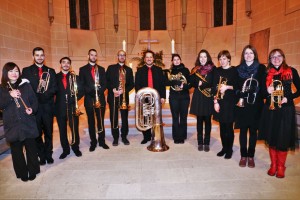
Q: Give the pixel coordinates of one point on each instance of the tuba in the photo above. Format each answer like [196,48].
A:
[148,115]
[74,92]
[222,81]
[97,103]
[248,84]
[43,82]
[177,77]
[277,95]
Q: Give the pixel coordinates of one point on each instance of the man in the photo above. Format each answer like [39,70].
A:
[65,108]
[43,82]
[93,80]
[116,76]
[152,76]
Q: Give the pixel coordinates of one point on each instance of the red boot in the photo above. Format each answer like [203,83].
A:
[281,158]
[273,157]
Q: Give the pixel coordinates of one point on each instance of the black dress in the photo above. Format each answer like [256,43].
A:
[278,127]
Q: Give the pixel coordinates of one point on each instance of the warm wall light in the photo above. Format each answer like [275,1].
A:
[248,10]
[184,11]
[50,11]
[116,16]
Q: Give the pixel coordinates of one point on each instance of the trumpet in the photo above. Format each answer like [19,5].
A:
[277,93]
[97,103]
[222,81]
[148,115]
[43,82]
[16,99]
[122,79]
[206,91]
[177,77]
[246,88]
[74,92]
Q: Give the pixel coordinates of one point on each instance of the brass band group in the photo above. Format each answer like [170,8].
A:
[252,97]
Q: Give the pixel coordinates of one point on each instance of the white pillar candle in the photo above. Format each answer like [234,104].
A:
[124,45]
[130,65]
[173,46]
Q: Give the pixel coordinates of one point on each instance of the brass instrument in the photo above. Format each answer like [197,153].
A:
[177,77]
[222,81]
[277,95]
[74,92]
[16,99]
[148,115]
[70,136]
[122,79]
[43,82]
[206,91]
[246,88]
[97,103]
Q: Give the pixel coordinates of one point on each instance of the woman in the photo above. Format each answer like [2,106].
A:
[251,76]
[18,102]
[179,98]
[225,82]
[277,125]
[202,101]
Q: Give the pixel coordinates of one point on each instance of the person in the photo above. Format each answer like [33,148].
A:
[202,100]
[118,76]
[68,86]
[278,123]
[19,104]
[150,75]
[225,83]
[179,98]
[251,76]
[93,80]
[43,82]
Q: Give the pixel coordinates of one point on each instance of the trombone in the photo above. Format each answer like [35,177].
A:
[71,137]
[74,92]
[16,99]
[97,103]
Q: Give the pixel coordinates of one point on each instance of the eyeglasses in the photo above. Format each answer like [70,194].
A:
[276,57]
[122,55]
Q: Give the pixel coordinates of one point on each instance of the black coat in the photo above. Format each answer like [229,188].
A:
[18,125]
[32,74]
[88,84]
[141,79]
[60,100]
[112,78]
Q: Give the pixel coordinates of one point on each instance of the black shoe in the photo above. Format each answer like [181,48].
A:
[24,179]
[64,155]
[228,154]
[206,148]
[115,142]
[42,162]
[221,153]
[78,153]
[104,146]
[92,148]
[200,147]
[50,160]
[176,142]
[125,141]
[32,177]
[181,141]
[144,141]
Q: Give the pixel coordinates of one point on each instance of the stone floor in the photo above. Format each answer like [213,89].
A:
[133,172]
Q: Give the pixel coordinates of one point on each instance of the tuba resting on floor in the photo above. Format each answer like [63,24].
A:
[148,115]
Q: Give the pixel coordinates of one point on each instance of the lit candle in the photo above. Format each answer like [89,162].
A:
[124,45]
[173,46]
[130,65]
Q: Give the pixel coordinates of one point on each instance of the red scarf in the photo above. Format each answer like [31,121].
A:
[286,74]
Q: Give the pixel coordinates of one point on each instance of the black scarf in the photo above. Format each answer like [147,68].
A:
[246,71]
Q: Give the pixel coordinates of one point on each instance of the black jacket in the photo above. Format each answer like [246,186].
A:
[18,125]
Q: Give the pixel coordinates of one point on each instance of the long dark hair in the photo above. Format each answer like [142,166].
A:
[252,49]
[7,67]
[209,60]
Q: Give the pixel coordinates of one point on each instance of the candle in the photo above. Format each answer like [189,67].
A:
[173,46]
[130,65]
[124,45]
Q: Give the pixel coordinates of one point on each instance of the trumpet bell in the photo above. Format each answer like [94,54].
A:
[158,143]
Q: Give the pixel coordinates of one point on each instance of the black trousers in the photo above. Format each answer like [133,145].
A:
[62,120]
[24,167]
[44,120]
[207,121]
[250,151]
[99,113]
[114,120]
[227,136]
[179,108]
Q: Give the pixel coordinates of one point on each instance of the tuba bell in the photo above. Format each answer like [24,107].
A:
[249,84]
[277,95]
[222,81]
[148,115]
[43,82]
[177,77]
[74,92]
